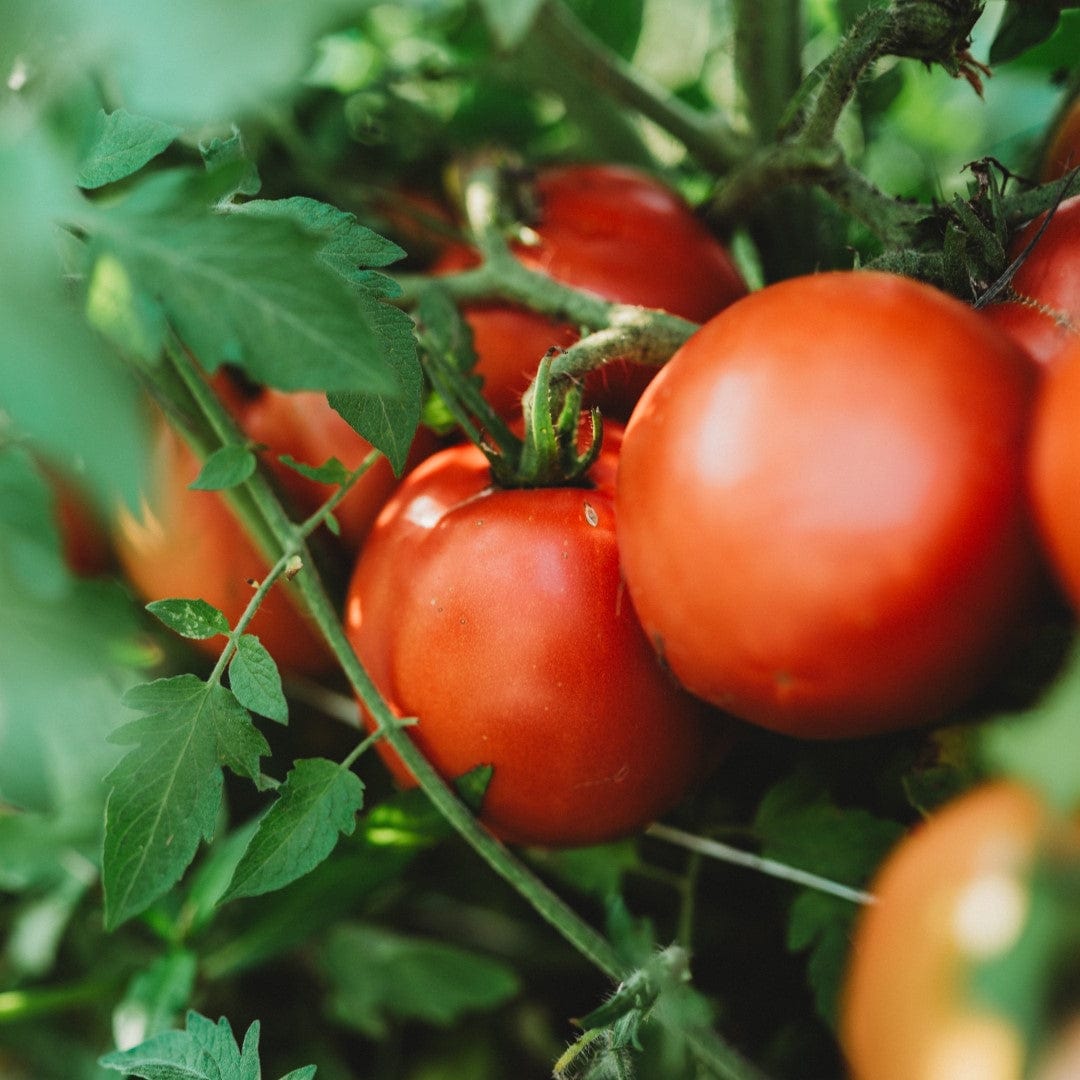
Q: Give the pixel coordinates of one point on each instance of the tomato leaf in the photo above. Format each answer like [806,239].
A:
[375,975]
[155,996]
[165,793]
[204,1051]
[123,144]
[241,288]
[389,424]
[799,825]
[190,618]
[225,468]
[1023,25]
[256,681]
[1028,746]
[329,472]
[220,153]
[318,801]
[510,20]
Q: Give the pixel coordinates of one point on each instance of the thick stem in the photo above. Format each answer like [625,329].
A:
[768,60]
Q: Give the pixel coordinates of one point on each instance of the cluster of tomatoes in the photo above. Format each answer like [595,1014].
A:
[829,514]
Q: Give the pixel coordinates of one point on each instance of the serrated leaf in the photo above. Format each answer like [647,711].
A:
[195,619]
[375,975]
[123,144]
[348,247]
[225,468]
[244,289]
[318,802]
[165,793]
[510,20]
[389,424]
[204,1051]
[256,681]
[1028,746]
[330,472]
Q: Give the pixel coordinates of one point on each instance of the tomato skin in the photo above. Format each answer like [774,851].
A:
[188,543]
[1045,317]
[1054,468]
[953,892]
[614,231]
[821,505]
[498,618]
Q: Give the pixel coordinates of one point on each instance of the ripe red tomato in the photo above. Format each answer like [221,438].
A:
[821,506]
[1045,317]
[616,232]
[1055,467]
[1063,153]
[955,892]
[498,618]
[84,539]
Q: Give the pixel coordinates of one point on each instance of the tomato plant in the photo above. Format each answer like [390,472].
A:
[613,231]
[821,505]
[498,618]
[956,893]
[1042,311]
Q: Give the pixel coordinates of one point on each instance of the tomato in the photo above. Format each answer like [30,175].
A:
[1063,153]
[1055,467]
[304,425]
[821,505]
[84,539]
[188,543]
[955,892]
[498,618]
[1044,317]
[613,231]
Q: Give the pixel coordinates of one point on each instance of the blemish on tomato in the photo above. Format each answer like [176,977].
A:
[591,516]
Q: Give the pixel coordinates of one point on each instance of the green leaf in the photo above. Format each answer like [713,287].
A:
[225,468]
[155,997]
[204,1051]
[329,472]
[799,825]
[219,153]
[389,424]
[1029,745]
[190,618]
[123,144]
[348,247]
[510,20]
[244,289]
[166,791]
[376,975]
[256,681]
[318,801]
[1024,25]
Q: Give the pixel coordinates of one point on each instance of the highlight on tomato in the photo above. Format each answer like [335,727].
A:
[614,231]
[822,512]
[498,618]
[1041,311]
[956,893]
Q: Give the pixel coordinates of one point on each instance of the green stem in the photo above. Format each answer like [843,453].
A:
[19,1005]
[707,137]
[768,60]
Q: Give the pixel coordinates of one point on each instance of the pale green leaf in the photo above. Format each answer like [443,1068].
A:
[123,144]
[190,618]
[317,803]
[225,468]
[256,681]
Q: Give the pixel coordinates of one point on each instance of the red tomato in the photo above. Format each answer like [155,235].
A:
[304,425]
[1045,316]
[1055,467]
[955,892]
[1063,153]
[188,543]
[84,539]
[616,232]
[498,618]
[821,505]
